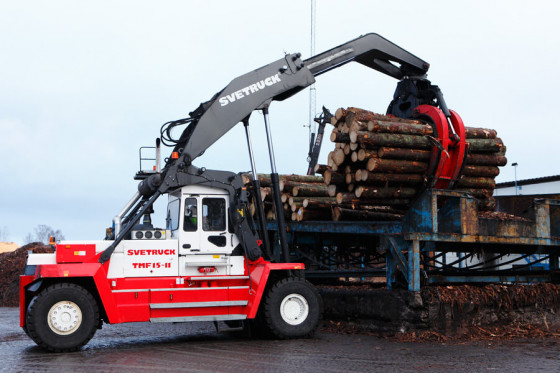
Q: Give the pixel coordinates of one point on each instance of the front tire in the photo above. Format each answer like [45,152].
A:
[62,317]
[292,308]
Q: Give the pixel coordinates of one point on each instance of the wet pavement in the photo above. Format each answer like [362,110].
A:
[197,347]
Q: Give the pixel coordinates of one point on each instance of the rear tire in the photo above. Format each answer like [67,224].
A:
[62,317]
[292,308]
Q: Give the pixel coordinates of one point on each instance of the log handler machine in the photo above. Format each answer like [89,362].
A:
[213,261]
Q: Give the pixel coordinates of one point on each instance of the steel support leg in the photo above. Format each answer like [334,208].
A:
[414,266]
[257,185]
[281,224]
[553,262]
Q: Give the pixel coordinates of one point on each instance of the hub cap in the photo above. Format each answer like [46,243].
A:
[64,317]
[294,309]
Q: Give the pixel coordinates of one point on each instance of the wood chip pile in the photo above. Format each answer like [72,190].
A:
[12,265]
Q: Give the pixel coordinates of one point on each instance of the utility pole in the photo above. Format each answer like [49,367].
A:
[515,171]
[312,92]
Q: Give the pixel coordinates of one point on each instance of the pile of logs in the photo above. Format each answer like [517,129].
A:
[377,168]
[380,158]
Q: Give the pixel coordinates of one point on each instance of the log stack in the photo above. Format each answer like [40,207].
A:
[377,168]
[381,158]
[486,154]
[307,198]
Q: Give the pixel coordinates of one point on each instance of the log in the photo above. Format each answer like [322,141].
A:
[480,133]
[366,116]
[358,174]
[266,194]
[287,186]
[486,159]
[367,177]
[311,214]
[338,157]
[364,154]
[391,192]
[389,209]
[351,187]
[351,177]
[340,213]
[332,190]
[270,215]
[302,178]
[309,190]
[317,204]
[337,136]
[345,198]
[339,113]
[397,166]
[404,153]
[332,177]
[476,182]
[265,178]
[482,145]
[295,200]
[349,199]
[372,141]
[486,171]
[382,126]
[284,197]
[320,169]
[295,206]
[357,126]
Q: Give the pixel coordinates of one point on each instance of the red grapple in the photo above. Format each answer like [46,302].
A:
[449,151]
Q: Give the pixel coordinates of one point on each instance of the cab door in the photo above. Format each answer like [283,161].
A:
[204,226]
[214,236]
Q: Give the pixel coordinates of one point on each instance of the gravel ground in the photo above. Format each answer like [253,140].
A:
[197,347]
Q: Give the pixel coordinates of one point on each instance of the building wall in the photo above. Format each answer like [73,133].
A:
[552,187]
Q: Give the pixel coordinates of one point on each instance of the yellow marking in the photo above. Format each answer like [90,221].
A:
[240,211]
[216,256]
[65,273]
[67,246]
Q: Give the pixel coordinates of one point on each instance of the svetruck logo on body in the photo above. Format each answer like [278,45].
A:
[253,88]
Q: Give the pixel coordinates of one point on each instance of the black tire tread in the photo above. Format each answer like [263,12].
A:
[32,310]
[269,308]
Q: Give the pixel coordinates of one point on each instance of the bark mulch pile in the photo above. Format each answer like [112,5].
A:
[501,297]
[11,267]
[463,313]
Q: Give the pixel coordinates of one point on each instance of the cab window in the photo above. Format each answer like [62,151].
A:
[214,214]
[172,220]
[190,223]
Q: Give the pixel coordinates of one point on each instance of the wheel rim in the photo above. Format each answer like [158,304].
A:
[294,309]
[64,317]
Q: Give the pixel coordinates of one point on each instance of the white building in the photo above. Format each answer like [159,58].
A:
[528,187]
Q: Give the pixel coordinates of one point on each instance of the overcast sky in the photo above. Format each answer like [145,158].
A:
[85,84]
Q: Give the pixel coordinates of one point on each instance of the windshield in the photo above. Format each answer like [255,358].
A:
[172,220]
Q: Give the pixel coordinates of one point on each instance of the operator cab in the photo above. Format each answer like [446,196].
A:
[197,217]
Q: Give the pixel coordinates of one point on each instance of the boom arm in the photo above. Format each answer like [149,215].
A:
[284,78]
